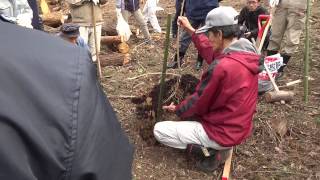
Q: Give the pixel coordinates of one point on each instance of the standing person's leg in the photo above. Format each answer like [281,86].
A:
[146,12]
[185,40]
[178,134]
[294,30]
[125,15]
[92,42]
[36,20]
[84,33]
[152,10]
[199,62]
[278,28]
[143,25]
[175,19]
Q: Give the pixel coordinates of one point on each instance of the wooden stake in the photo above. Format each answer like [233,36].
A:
[307,54]
[164,68]
[96,40]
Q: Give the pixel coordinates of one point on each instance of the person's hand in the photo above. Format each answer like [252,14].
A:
[170,108]
[273,3]
[247,34]
[184,23]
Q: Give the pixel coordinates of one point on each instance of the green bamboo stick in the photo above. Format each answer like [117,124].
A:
[164,68]
[307,54]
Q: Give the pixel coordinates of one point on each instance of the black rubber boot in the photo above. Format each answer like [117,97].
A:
[174,63]
[200,151]
[286,59]
[199,62]
[211,163]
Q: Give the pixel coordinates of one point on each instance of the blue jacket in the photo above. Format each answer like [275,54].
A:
[129,5]
[198,9]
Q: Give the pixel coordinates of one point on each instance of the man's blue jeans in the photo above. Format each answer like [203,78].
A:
[185,38]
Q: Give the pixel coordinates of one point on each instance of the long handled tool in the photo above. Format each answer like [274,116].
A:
[96,41]
[227,166]
[263,30]
[178,36]
[276,95]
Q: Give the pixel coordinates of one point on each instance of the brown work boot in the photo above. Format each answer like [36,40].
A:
[211,163]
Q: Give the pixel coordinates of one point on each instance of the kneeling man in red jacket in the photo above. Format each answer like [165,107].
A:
[225,100]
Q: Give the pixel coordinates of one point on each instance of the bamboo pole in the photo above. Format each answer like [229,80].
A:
[307,53]
[164,68]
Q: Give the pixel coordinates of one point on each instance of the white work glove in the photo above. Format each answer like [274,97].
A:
[122,28]
[25,20]
[95,1]
[273,3]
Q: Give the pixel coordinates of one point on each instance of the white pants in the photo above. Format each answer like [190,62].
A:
[149,13]
[87,33]
[178,134]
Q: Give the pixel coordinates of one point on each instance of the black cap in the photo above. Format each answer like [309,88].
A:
[70,30]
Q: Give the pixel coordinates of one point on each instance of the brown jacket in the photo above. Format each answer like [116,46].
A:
[82,13]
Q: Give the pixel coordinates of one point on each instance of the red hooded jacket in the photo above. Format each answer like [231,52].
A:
[226,96]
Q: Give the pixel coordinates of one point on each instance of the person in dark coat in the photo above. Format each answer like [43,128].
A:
[249,17]
[175,18]
[55,120]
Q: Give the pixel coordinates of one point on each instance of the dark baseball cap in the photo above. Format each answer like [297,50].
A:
[70,30]
[219,17]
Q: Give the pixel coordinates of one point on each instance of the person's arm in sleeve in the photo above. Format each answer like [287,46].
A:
[199,102]
[204,47]
[200,41]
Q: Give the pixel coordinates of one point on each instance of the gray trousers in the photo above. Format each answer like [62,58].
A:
[139,17]
[289,23]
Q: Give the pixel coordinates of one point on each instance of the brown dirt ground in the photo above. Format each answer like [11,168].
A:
[292,154]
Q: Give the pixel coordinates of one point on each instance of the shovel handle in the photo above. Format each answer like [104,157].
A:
[227,166]
[96,40]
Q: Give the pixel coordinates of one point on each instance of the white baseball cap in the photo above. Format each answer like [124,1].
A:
[220,16]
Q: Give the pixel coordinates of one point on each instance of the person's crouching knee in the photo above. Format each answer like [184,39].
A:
[158,131]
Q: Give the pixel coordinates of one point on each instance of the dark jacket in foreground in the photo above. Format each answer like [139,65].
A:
[55,121]
[197,10]
[225,99]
